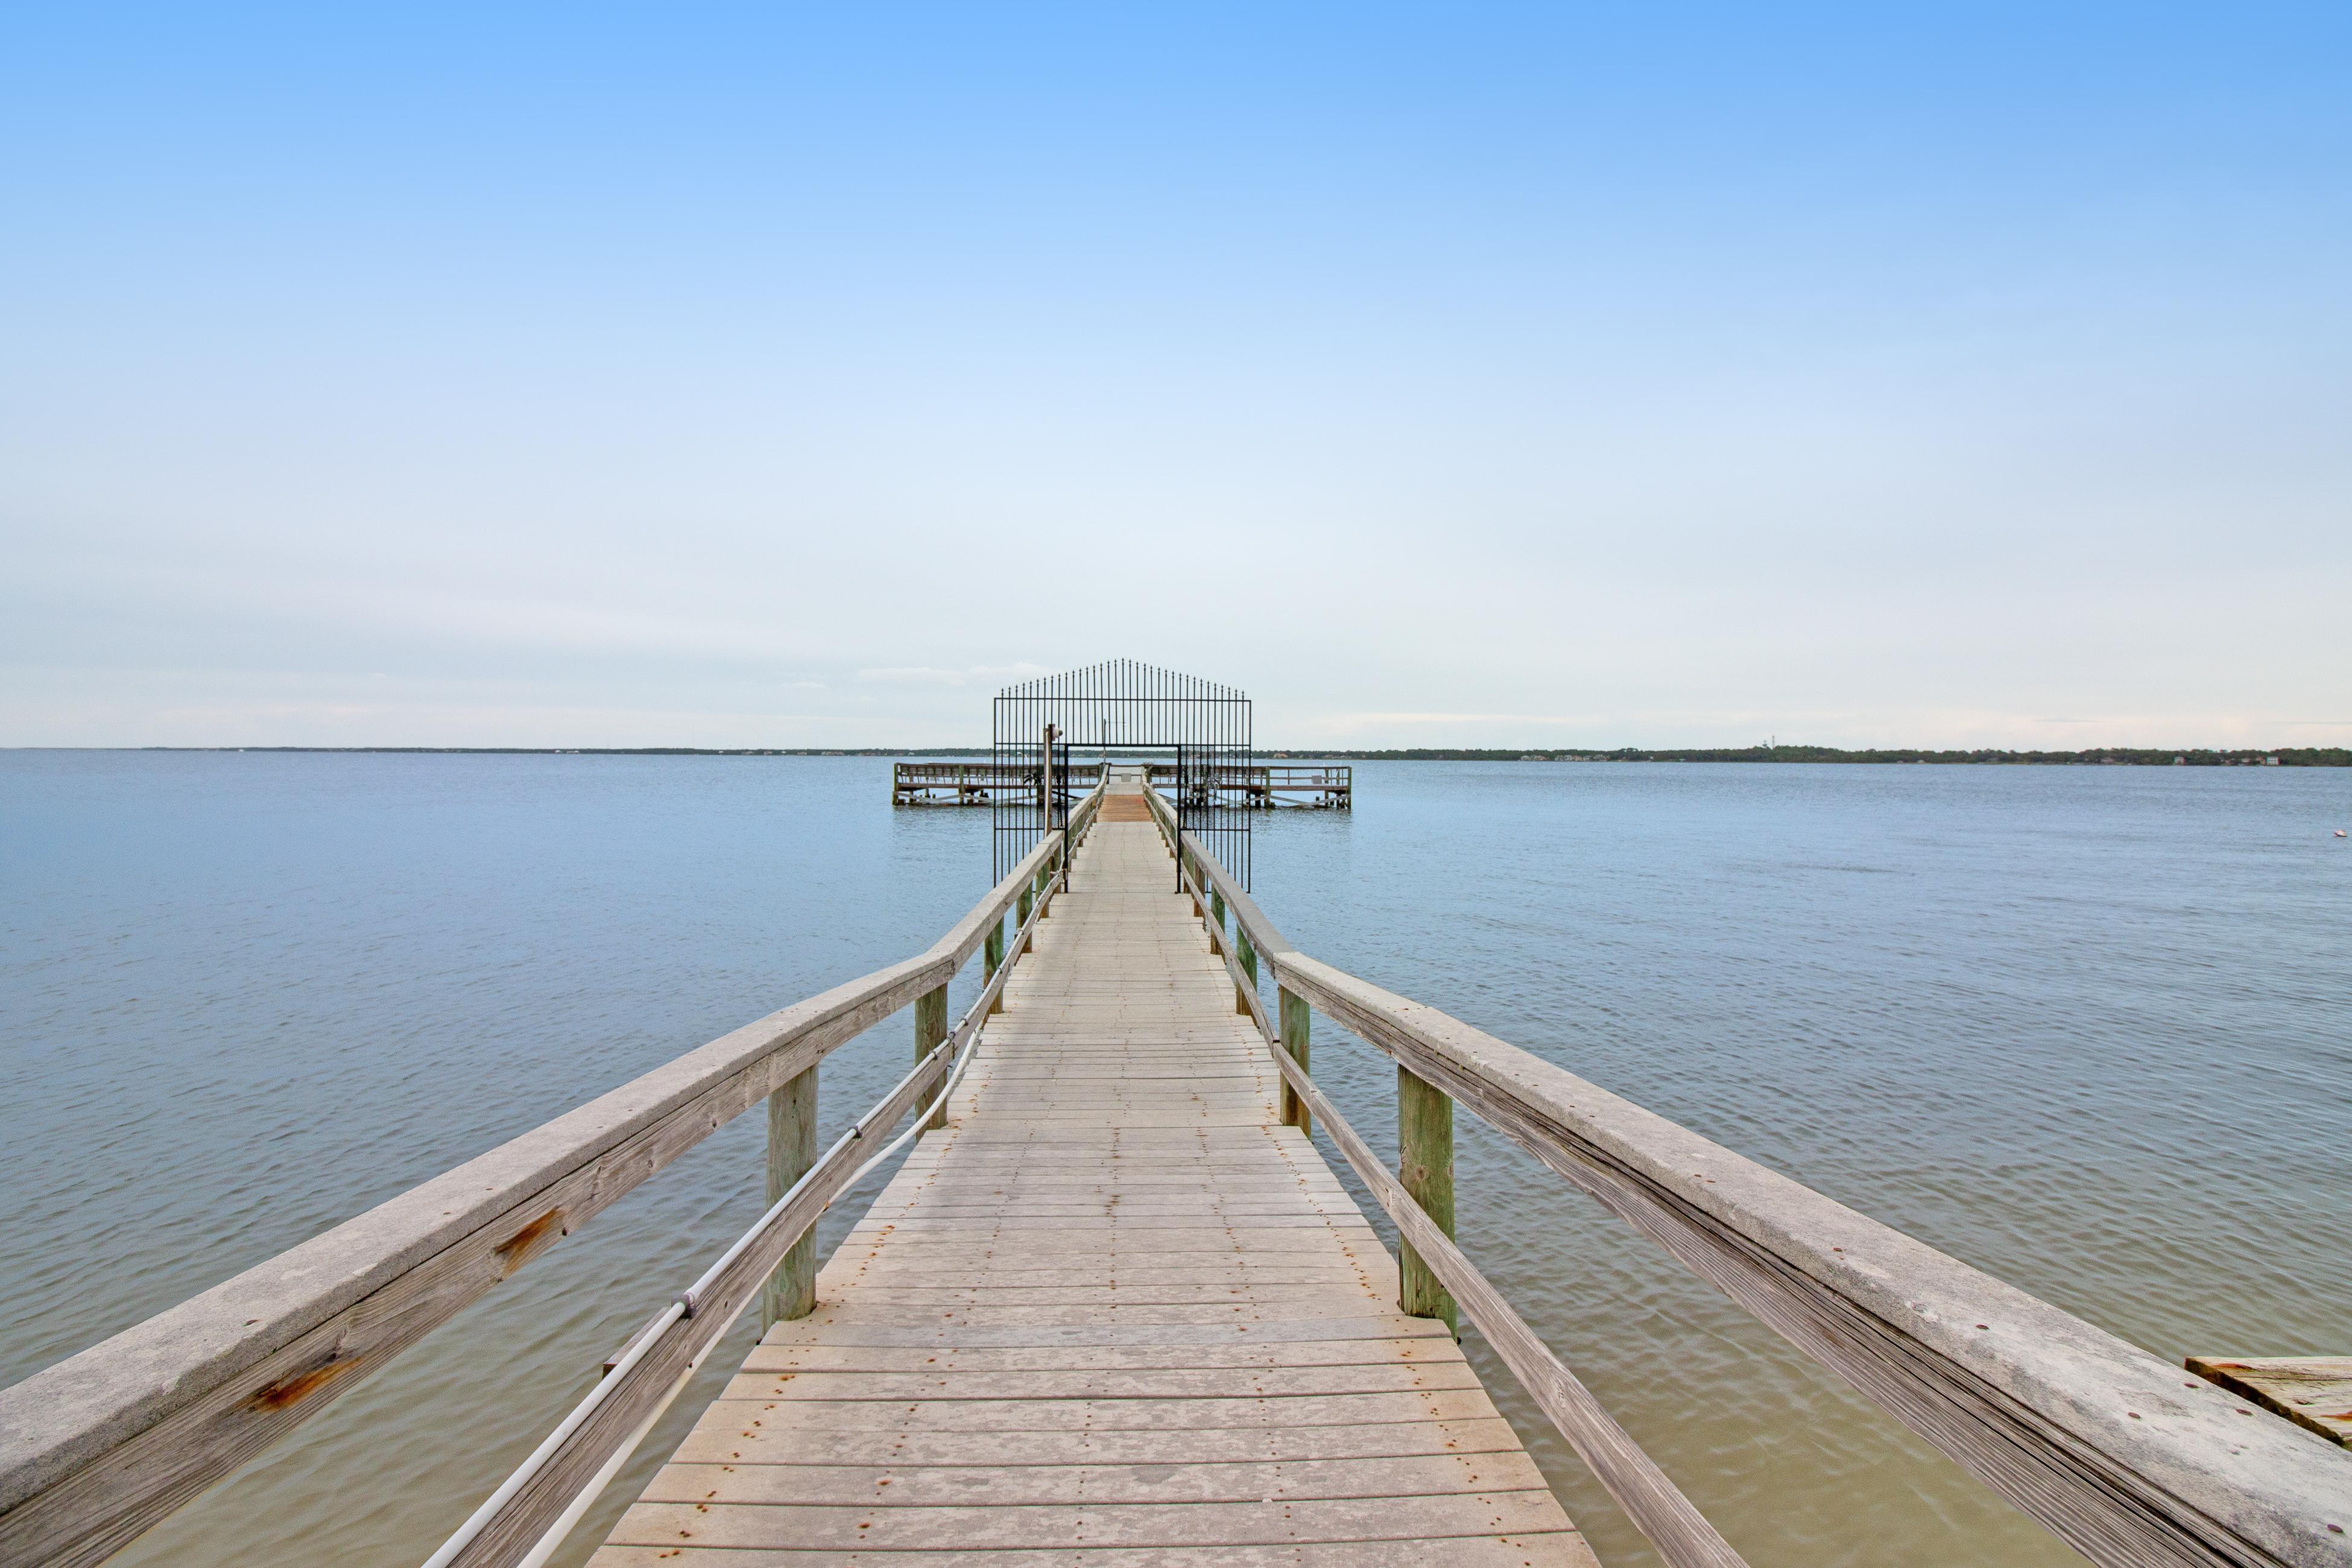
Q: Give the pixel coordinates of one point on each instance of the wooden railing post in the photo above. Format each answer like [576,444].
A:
[931,1028]
[791,1291]
[1295,1013]
[1021,914]
[1425,1167]
[1217,906]
[1248,955]
[995,952]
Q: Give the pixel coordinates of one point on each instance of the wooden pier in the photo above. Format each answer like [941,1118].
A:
[1114,1307]
[1116,1310]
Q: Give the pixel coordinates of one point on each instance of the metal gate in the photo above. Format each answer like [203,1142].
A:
[1056,734]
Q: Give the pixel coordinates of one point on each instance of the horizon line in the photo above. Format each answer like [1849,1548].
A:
[1502,754]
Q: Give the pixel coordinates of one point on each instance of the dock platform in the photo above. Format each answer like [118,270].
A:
[1322,786]
[1113,1313]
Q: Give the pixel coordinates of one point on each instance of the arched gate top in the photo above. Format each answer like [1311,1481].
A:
[1193,734]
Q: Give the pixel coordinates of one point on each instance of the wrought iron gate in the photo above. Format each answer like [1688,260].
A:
[1054,735]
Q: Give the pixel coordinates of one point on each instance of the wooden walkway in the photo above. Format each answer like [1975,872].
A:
[1112,1314]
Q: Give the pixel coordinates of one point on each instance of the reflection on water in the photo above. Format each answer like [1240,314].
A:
[2085,1029]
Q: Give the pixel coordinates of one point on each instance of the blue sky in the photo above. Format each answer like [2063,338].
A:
[1476,375]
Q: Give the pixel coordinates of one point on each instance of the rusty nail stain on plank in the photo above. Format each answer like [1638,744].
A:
[292,1391]
[530,1241]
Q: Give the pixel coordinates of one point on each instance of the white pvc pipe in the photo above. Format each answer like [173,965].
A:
[481,1517]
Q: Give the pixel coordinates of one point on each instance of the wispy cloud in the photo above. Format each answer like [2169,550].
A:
[971,675]
[1368,720]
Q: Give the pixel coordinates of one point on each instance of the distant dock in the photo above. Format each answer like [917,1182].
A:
[1321,786]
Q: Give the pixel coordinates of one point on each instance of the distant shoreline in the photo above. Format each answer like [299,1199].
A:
[2103,757]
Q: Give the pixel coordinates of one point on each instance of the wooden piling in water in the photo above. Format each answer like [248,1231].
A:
[1425,1167]
[1296,1015]
[931,1028]
[995,956]
[791,1290]
[1248,956]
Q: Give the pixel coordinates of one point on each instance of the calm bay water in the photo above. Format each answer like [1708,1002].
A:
[2090,1029]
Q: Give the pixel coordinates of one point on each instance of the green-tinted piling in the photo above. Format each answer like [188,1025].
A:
[996,955]
[791,1290]
[1295,1013]
[931,1028]
[1425,1167]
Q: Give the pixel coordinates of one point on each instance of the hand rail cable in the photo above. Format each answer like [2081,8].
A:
[2116,1452]
[766,1241]
[1670,1521]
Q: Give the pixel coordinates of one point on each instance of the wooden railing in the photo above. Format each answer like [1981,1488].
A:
[98,1447]
[1324,783]
[2122,1456]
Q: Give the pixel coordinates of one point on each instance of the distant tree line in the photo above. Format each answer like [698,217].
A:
[2127,756]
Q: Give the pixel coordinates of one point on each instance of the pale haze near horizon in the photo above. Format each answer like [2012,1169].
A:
[1474,376]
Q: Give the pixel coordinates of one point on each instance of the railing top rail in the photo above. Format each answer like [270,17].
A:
[2124,1456]
[96,1447]
[1263,936]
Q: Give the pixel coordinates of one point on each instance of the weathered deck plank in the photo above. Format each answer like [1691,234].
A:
[1113,1314]
[2313,1391]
